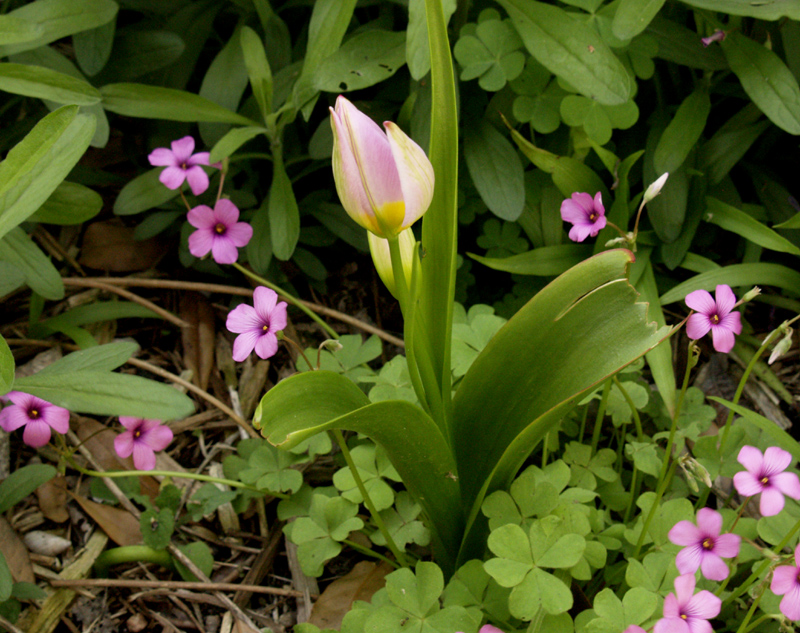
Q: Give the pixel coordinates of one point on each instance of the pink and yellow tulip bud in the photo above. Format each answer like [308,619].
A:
[385,181]
[382,259]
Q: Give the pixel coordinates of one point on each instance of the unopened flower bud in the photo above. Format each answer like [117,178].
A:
[717,36]
[783,345]
[331,345]
[751,294]
[655,188]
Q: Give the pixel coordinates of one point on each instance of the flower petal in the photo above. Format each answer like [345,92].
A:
[699,626]
[685,533]
[723,339]
[787,483]
[689,559]
[197,179]
[243,318]
[732,322]
[783,579]
[790,605]
[671,625]
[201,158]
[13,417]
[751,458]
[697,326]
[702,302]
[243,345]
[130,423]
[36,434]
[713,567]
[183,148]
[709,521]
[143,457]
[266,345]
[684,588]
[703,604]
[264,301]
[598,225]
[123,444]
[580,232]
[57,418]
[771,502]
[201,242]
[226,212]
[725,299]
[727,545]
[415,172]
[158,438]
[671,607]
[223,250]
[597,204]
[277,320]
[585,201]
[776,460]
[172,177]
[162,157]
[572,212]
[240,234]
[746,484]
[202,217]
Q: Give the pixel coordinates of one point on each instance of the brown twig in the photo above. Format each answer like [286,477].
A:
[5,624]
[196,390]
[241,292]
[175,584]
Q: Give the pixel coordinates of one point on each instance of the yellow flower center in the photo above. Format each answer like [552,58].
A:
[137,434]
[219,229]
[715,318]
[33,413]
[592,216]
[391,215]
[708,543]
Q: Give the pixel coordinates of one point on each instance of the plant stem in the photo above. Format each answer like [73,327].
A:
[131,554]
[289,298]
[743,627]
[601,414]
[636,419]
[367,551]
[337,435]
[662,486]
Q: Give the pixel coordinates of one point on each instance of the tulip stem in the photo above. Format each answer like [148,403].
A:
[285,295]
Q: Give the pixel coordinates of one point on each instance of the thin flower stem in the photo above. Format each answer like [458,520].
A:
[601,414]
[619,230]
[369,552]
[636,419]
[634,494]
[301,352]
[758,622]
[221,179]
[337,435]
[743,626]
[662,486]
[285,295]
[169,473]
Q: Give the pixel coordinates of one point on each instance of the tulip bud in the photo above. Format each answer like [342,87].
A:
[385,181]
[382,258]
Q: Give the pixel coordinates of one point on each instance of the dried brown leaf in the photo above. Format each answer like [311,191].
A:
[52,496]
[109,246]
[120,526]
[198,340]
[16,554]
[360,584]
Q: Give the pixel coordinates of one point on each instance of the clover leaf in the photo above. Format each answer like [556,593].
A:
[350,360]
[473,588]
[471,333]
[598,120]
[392,383]
[502,240]
[402,524]
[268,468]
[615,615]
[490,52]
[373,466]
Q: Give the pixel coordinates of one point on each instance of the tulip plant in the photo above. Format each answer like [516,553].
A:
[455,449]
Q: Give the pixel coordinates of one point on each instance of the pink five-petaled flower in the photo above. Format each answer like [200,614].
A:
[257,326]
[36,415]
[715,316]
[218,231]
[786,580]
[142,439]
[765,474]
[587,215]
[687,612]
[181,165]
[704,546]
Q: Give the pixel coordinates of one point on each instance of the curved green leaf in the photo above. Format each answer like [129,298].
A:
[6,367]
[543,261]
[633,16]
[578,330]
[765,79]
[43,83]
[362,61]
[142,193]
[305,404]
[737,221]
[14,30]
[776,434]
[571,50]
[660,357]
[682,133]
[21,251]
[761,274]
[23,482]
[763,9]
[70,203]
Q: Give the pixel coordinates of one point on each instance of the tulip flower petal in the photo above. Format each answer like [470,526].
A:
[415,172]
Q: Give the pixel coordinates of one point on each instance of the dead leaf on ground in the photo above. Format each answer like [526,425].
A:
[198,340]
[15,553]
[52,496]
[360,584]
[109,246]
[120,526]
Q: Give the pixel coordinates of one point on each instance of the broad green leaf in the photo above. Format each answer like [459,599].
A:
[284,214]
[667,211]
[23,482]
[6,366]
[14,30]
[233,140]
[762,9]
[60,18]
[682,133]
[571,50]
[765,79]
[36,165]
[682,46]
[496,170]
[544,261]
[308,403]
[791,223]
[775,433]
[107,393]
[43,83]
[364,60]
[673,254]
[11,277]
[745,275]
[531,390]
[418,55]
[154,102]
[200,554]
[19,250]
[142,193]
[259,249]
[100,358]
[70,203]
[93,47]
[731,142]
[633,16]
[137,53]
[255,60]
[732,219]
[94,313]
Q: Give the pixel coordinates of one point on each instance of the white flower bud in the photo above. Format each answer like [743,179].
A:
[655,188]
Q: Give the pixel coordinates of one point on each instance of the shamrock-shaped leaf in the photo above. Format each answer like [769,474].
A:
[330,520]
[299,503]
[472,588]
[472,334]
[490,52]
[654,573]
[402,524]
[617,406]
[667,515]
[392,383]
[615,615]
[645,457]
[157,527]
[373,466]
[268,468]
[539,590]
[598,120]
[502,239]
[501,510]
[207,499]
[587,468]
[350,360]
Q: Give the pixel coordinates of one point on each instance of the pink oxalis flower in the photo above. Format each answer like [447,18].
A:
[586,214]
[633,628]
[257,326]
[687,612]
[36,415]
[218,231]
[786,583]
[704,546]
[142,439]
[765,475]
[716,316]
[181,165]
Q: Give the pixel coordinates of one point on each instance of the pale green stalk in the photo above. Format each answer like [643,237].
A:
[369,552]
[601,414]
[131,554]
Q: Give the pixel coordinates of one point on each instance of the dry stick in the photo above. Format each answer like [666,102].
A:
[233,290]
[175,584]
[130,296]
[196,390]
[5,624]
